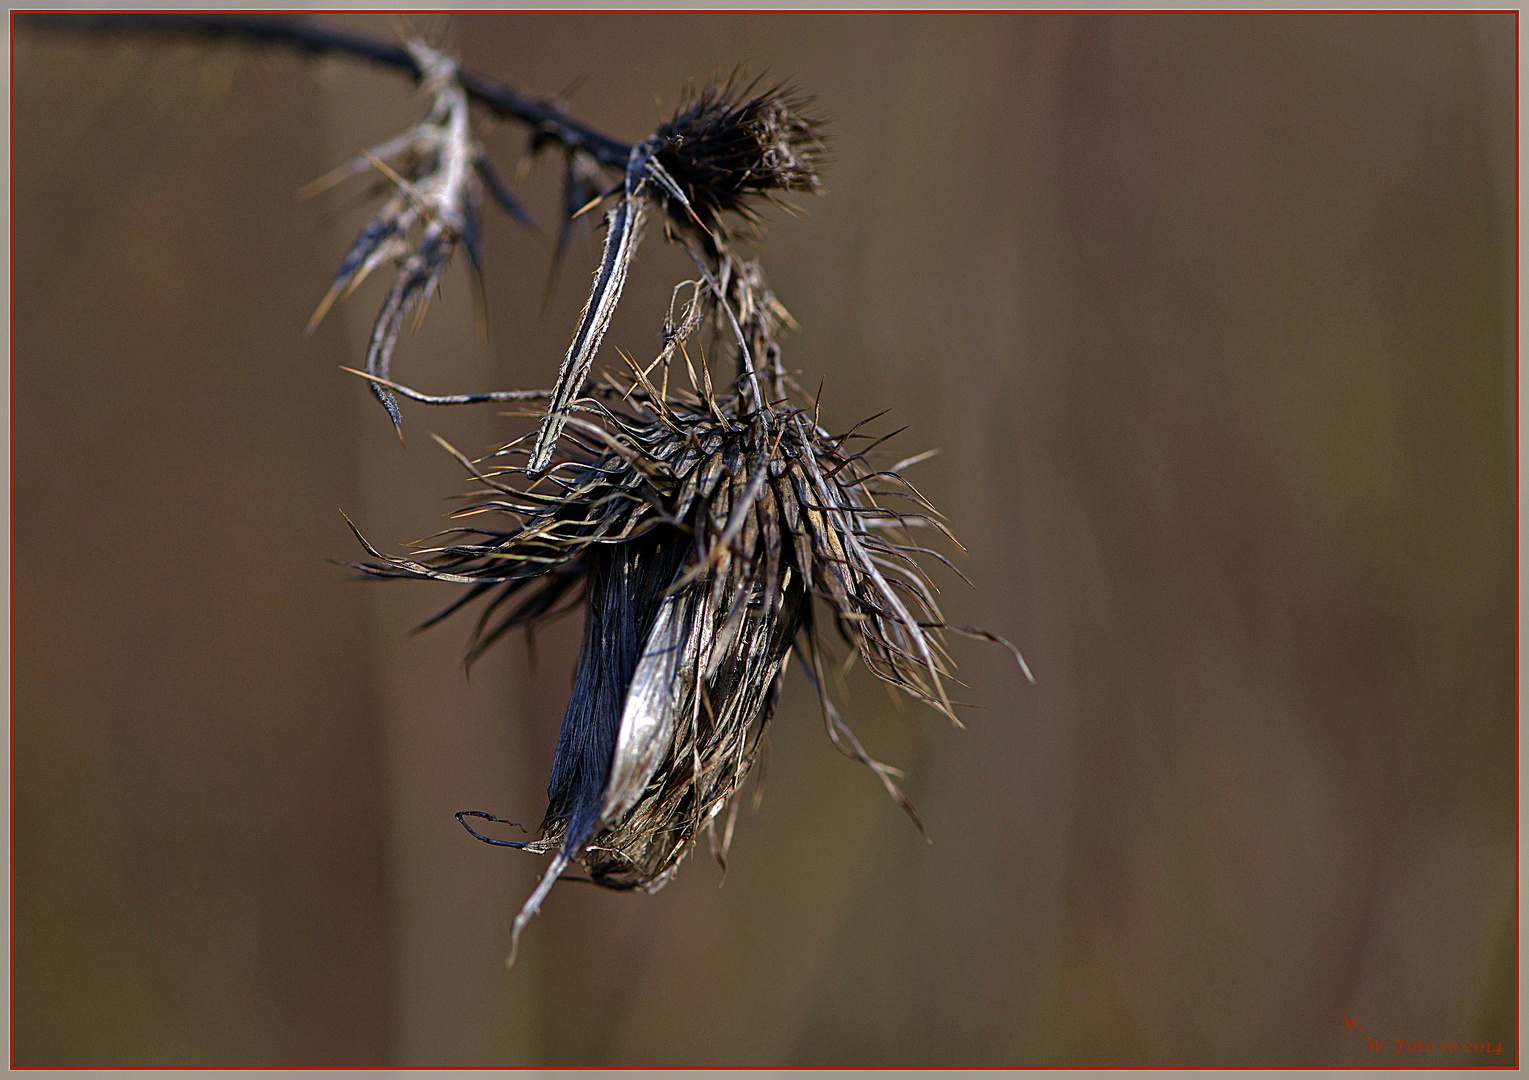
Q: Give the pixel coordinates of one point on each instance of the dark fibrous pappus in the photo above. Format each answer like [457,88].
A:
[730,147]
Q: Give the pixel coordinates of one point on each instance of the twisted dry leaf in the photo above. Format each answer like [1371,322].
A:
[437,172]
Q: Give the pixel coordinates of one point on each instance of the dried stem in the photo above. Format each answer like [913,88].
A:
[703,529]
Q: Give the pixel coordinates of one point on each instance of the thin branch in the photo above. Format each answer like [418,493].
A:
[550,121]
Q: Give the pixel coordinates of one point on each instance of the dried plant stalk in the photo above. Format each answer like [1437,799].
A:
[700,526]
[705,532]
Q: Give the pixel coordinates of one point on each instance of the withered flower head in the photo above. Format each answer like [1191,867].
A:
[703,529]
[730,146]
[700,531]
[706,533]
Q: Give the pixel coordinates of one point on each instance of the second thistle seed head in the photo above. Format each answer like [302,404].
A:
[729,146]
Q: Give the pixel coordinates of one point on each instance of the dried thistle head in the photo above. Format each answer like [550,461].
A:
[730,146]
[727,148]
[705,529]
[700,533]
[705,533]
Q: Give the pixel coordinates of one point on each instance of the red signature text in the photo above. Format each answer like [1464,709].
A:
[1419,1046]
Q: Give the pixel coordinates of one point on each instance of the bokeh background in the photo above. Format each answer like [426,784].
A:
[1213,319]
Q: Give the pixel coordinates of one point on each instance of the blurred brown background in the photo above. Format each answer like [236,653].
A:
[1213,319]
